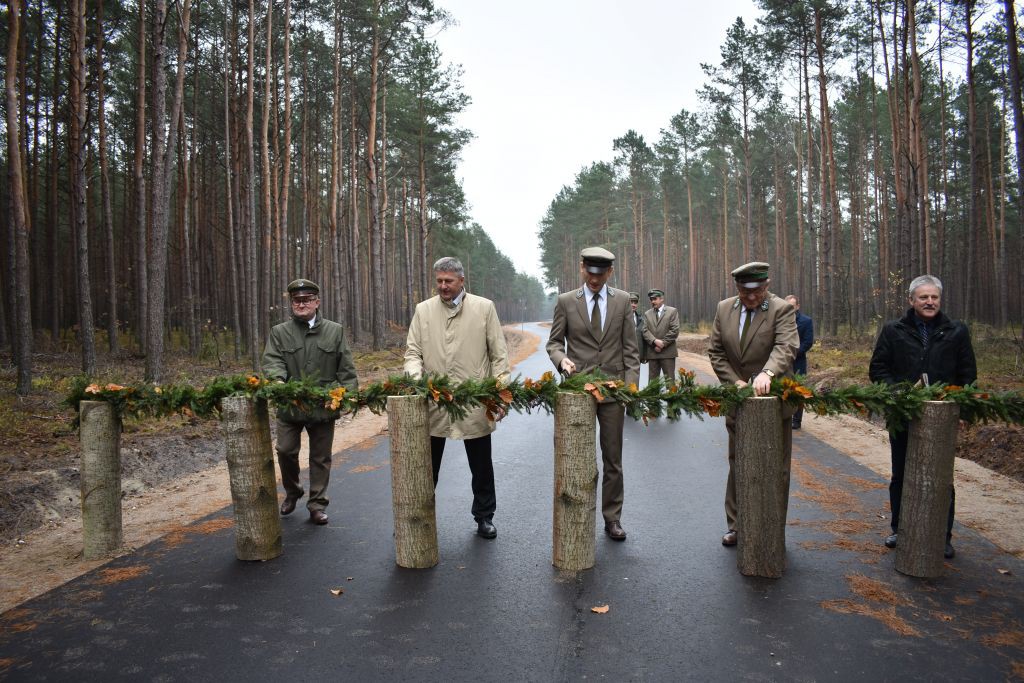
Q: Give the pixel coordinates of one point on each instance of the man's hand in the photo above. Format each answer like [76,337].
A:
[740,384]
[762,384]
[567,366]
[500,413]
[659,344]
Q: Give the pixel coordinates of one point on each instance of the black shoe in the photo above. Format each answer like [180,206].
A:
[318,517]
[485,528]
[730,538]
[288,506]
[890,541]
[949,553]
[615,531]
[796,425]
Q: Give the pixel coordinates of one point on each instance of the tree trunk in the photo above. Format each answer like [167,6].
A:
[113,343]
[374,225]
[250,458]
[1013,50]
[252,240]
[412,482]
[761,493]
[19,283]
[927,482]
[575,495]
[101,478]
[141,232]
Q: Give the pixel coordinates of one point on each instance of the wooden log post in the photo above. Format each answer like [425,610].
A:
[761,497]
[100,435]
[412,482]
[575,497]
[250,457]
[927,478]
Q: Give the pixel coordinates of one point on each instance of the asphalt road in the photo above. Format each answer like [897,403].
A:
[183,608]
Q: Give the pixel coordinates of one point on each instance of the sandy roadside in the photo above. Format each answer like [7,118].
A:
[50,556]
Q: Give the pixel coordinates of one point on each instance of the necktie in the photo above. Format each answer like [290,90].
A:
[923,329]
[746,326]
[595,317]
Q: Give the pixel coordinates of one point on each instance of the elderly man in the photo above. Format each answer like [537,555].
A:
[307,346]
[458,334]
[638,319]
[923,345]
[753,340]
[804,328]
[661,328]
[592,330]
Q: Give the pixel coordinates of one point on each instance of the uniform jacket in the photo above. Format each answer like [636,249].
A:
[900,355]
[804,328]
[465,342]
[638,319]
[615,354]
[771,343]
[297,351]
[666,329]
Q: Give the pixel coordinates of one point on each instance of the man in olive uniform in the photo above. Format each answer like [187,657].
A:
[638,320]
[753,340]
[592,330]
[307,346]
[661,328]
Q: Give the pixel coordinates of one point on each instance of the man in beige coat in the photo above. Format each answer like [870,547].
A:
[661,328]
[593,329]
[458,334]
[753,340]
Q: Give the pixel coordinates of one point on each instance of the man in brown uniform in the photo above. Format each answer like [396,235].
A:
[753,340]
[593,330]
[661,328]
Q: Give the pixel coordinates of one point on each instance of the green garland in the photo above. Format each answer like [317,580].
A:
[897,404]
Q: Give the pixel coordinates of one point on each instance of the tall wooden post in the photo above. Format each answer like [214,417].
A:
[412,482]
[575,495]
[250,458]
[761,495]
[927,479]
[100,435]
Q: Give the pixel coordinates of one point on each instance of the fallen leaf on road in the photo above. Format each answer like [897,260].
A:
[599,610]
[1004,572]
[337,591]
[349,578]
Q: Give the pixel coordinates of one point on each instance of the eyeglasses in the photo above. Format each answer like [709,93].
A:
[304,301]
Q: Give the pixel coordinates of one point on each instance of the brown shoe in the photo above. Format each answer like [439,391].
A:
[615,531]
[318,516]
[729,538]
[288,506]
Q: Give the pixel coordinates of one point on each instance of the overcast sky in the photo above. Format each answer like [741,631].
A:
[554,82]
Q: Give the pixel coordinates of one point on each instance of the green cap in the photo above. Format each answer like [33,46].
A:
[633,296]
[300,285]
[751,275]
[655,292]
[597,259]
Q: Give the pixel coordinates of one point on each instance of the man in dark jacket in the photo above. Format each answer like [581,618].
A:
[923,345]
[307,346]
[638,321]
[805,328]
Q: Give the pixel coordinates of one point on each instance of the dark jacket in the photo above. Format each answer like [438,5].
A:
[900,355]
[296,351]
[638,320]
[804,328]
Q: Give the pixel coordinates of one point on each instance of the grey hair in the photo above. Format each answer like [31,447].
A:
[449,264]
[923,280]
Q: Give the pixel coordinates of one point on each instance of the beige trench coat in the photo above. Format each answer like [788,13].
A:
[465,342]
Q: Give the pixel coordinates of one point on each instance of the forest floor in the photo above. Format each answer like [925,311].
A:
[40,527]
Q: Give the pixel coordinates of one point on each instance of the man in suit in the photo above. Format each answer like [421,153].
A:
[592,330]
[661,327]
[458,334]
[804,328]
[638,320]
[753,340]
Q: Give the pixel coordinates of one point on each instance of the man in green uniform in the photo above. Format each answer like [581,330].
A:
[307,346]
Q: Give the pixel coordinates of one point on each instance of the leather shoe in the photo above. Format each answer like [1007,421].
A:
[288,506]
[729,538]
[949,553]
[796,425]
[485,528]
[318,516]
[890,540]
[615,531]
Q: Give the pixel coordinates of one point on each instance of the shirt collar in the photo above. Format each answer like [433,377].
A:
[457,300]
[590,293]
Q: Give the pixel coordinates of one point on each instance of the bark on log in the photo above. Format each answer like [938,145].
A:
[412,482]
[101,479]
[761,495]
[575,496]
[250,458]
[927,478]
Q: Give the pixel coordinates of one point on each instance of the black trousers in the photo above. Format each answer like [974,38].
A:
[478,453]
[898,446]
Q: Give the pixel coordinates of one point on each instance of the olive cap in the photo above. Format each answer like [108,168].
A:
[751,275]
[300,285]
[597,259]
